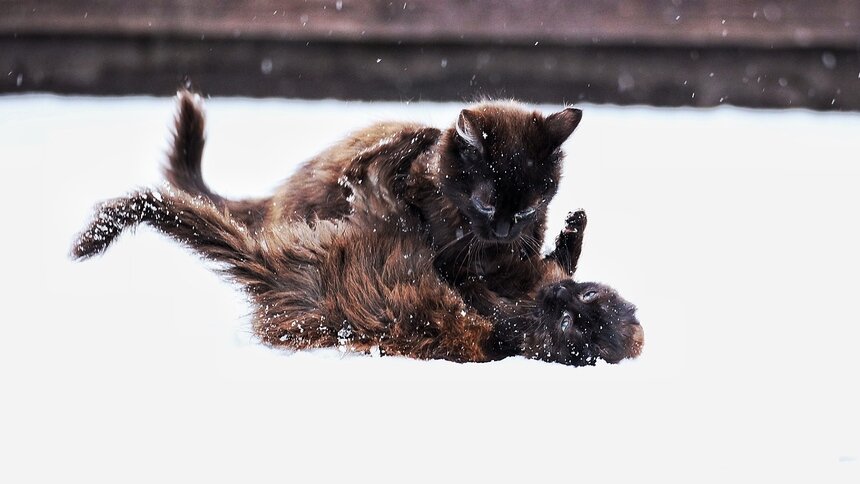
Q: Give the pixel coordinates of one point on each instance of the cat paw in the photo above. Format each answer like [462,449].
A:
[575,222]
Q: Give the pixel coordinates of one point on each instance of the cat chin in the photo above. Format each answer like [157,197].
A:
[485,234]
[627,344]
[494,240]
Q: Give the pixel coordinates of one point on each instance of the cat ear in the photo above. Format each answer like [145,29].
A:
[561,124]
[468,132]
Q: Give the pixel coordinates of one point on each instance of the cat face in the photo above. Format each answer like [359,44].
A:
[581,322]
[503,165]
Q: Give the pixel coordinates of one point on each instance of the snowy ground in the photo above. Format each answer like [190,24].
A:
[735,232]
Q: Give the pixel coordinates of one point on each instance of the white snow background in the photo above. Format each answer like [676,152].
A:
[735,232]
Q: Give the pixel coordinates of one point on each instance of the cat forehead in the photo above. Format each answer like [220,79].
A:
[517,145]
[513,156]
[510,132]
[507,120]
[520,168]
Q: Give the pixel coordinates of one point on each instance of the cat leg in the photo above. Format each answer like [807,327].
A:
[568,244]
[377,175]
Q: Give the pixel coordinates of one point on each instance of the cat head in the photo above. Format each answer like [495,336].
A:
[501,166]
[581,322]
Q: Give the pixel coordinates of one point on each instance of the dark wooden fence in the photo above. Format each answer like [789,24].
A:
[665,52]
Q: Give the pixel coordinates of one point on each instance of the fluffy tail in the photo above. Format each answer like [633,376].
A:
[280,269]
[183,168]
[198,224]
[191,220]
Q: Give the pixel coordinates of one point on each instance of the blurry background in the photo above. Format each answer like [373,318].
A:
[756,53]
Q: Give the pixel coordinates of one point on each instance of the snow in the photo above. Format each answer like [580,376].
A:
[735,233]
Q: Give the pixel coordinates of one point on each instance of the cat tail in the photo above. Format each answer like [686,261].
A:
[193,221]
[183,169]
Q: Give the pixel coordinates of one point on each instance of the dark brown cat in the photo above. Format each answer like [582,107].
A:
[367,280]
[478,193]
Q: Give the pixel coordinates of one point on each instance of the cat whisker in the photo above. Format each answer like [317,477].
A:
[467,249]
[531,241]
[458,239]
[472,254]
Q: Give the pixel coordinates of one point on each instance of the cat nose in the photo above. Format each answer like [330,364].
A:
[560,292]
[502,229]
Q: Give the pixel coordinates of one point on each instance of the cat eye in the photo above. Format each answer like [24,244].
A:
[483,206]
[524,213]
[566,319]
[470,155]
[588,296]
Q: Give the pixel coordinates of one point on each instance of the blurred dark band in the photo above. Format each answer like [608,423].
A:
[664,53]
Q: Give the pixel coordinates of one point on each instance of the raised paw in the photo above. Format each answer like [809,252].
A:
[568,244]
[575,222]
